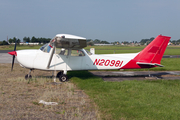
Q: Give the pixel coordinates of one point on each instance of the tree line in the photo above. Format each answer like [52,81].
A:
[147,41]
[25,40]
[96,41]
[36,40]
[89,41]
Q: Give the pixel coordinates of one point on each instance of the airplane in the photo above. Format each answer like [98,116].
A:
[65,53]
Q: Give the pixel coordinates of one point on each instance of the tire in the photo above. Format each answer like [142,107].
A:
[26,77]
[59,74]
[63,78]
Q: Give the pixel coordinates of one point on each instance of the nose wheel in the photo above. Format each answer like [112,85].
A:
[28,76]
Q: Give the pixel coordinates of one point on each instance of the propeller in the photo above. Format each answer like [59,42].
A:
[13,53]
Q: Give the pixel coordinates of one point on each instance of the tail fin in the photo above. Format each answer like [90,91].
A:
[151,55]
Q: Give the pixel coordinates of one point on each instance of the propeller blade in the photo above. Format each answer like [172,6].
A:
[14,53]
[12,62]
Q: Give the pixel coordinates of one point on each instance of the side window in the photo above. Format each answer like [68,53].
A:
[77,53]
[61,51]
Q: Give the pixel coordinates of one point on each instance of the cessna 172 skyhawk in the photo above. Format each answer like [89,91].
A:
[65,53]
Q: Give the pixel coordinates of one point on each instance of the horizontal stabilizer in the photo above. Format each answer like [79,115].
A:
[151,64]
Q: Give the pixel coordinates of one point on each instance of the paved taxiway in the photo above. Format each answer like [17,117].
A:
[6,58]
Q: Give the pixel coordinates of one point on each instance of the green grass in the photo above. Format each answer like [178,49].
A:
[171,50]
[157,99]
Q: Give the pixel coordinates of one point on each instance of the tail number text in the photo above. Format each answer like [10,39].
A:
[102,62]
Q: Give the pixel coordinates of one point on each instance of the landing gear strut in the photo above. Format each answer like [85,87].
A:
[62,77]
[28,76]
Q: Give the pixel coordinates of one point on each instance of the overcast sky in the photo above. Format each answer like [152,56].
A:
[110,20]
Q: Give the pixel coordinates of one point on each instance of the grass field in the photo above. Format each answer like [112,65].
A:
[158,99]
[19,98]
[148,99]
[170,50]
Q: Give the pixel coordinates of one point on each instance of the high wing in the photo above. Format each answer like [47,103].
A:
[68,41]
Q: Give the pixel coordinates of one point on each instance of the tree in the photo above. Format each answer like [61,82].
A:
[5,42]
[104,42]
[26,39]
[146,41]
[14,39]
[90,42]
[10,40]
[33,39]
[151,39]
[97,41]
[18,41]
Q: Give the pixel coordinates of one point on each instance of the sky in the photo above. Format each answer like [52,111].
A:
[110,20]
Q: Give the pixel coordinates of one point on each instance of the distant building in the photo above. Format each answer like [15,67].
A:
[169,43]
[26,43]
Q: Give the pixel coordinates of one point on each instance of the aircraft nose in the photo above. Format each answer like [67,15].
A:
[13,53]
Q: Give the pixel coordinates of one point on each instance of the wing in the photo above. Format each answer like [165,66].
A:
[68,41]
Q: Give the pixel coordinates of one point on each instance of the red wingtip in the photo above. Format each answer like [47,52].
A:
[13,53]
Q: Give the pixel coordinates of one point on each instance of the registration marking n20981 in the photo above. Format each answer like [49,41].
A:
[103,62]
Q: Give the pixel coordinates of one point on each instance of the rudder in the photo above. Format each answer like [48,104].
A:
[153,53]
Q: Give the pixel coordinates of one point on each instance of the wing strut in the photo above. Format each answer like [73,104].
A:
[51,55]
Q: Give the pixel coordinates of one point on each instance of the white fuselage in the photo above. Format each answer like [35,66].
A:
[37,59]
[64,53]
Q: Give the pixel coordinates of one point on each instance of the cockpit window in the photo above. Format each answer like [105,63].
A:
[43,46]
[77,53]
[46,48]
[61,51]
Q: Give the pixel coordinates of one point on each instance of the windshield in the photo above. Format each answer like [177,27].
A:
[42,48]
[46,48]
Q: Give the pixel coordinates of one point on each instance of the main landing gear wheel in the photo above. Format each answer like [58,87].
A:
[28,76]
[63,78]
[59,74]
